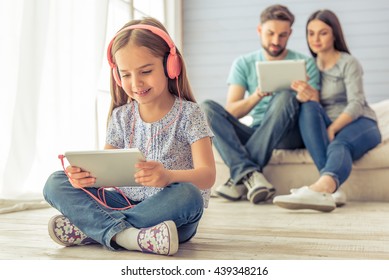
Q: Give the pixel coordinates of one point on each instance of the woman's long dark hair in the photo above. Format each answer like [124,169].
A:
[329,18]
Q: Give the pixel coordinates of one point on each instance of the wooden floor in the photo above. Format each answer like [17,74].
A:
[228,230]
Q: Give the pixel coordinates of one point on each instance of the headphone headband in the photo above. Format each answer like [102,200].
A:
[172,62]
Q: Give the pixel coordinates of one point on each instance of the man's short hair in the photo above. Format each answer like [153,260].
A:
[277,12]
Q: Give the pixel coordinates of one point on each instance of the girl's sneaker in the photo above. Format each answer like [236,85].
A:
[160,239]
[63,232]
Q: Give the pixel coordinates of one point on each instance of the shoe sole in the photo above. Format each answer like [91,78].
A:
[228,197]
[340,204]
[259,196]
[298,206]
[271,194]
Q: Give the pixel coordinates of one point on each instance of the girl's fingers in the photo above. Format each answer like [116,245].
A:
[82,183]
[79,175]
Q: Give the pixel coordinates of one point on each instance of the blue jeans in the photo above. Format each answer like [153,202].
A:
[246,149]
[335,158]
[180,202]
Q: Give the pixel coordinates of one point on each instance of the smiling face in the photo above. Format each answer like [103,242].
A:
[142,74]
[320,37]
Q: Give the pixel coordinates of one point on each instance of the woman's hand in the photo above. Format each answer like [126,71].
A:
[331,133]
[338,124]
[79,178]
[152,173]
[305,92]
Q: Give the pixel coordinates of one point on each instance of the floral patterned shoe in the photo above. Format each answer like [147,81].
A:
[161,239]
[62,231]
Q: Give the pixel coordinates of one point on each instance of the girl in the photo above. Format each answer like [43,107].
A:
[339,129]
[152,109]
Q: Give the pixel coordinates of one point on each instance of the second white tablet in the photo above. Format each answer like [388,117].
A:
[278,75]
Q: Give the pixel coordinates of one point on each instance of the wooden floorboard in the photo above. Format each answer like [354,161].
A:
[228,231]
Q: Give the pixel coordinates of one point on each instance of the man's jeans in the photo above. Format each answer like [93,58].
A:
[335,158]
[180,202]
[245,149]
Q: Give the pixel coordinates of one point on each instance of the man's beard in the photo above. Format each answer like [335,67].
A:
[274,53]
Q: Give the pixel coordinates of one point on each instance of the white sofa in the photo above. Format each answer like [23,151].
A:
[369,179]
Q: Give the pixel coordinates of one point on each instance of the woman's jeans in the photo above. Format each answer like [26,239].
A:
[246,149]
[180,202]
[335,158]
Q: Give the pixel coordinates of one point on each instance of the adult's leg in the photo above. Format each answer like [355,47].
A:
[280,120]
[313,123]
[350,144]
[230,138]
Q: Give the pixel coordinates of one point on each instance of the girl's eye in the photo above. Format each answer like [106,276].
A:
[146,72]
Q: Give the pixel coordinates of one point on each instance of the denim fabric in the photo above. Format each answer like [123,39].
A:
[351,143]
[180,202]
[245,149]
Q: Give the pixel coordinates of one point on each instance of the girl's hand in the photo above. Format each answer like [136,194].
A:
[79,178]
[152,173]
[305,92]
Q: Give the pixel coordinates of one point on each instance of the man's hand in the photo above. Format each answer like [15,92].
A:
[261,94]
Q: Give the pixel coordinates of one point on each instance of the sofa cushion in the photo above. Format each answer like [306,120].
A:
[382,110]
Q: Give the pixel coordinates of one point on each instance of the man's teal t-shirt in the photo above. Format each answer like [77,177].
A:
[243,72]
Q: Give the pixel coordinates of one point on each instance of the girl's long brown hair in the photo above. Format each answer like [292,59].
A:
[158,47]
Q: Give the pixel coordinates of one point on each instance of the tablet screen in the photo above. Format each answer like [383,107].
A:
[112,167]
[278,75]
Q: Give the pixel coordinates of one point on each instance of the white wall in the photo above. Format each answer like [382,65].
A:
[217,31]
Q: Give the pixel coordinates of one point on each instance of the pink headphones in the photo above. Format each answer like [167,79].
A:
[172,62]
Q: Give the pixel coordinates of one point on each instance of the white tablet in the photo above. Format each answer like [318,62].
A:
[278,75]
[111,168]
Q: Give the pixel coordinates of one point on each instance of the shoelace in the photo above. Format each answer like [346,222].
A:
[250,180]
[253,177]
[229,183]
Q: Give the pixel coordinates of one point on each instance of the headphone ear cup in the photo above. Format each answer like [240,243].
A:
[172,66]
[116,76]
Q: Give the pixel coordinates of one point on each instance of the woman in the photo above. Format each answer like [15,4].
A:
[341,127]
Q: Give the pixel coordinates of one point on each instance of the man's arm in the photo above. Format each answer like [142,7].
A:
[237,105]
